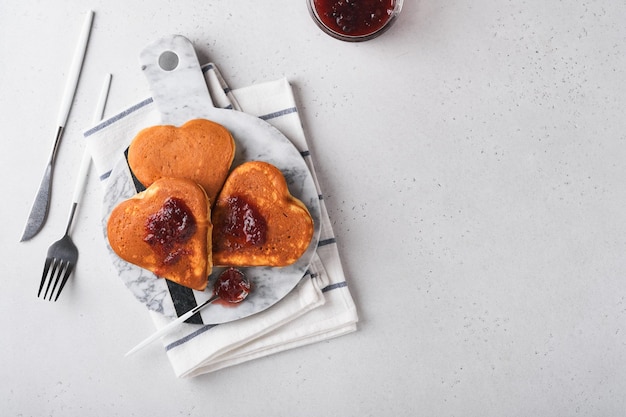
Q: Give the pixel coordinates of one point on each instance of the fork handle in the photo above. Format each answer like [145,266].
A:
[79,187]
[85,163]
[82,177]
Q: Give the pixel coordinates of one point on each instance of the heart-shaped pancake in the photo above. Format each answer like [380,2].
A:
[199,150]
[256,221]
[166,229]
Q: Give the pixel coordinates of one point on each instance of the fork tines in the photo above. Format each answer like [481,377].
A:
[57,270]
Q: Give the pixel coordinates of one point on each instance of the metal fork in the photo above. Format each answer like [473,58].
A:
[60,262]
[63,254]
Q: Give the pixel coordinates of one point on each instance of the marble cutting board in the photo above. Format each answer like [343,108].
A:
[181,94]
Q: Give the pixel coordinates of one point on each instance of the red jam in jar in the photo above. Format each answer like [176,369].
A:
[232,286]
[354,18]
[168,229]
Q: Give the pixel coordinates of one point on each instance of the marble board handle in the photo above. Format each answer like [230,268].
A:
[178,88]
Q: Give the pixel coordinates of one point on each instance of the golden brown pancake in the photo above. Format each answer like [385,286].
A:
[166,229]
[256,221]
[199,150]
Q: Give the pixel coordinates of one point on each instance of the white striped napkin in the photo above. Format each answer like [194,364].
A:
[319,308]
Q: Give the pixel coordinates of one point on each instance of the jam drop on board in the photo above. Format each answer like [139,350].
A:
[232,286]
[168,229]
[354,17]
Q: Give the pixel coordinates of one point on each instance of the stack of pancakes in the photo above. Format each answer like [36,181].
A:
[195,213]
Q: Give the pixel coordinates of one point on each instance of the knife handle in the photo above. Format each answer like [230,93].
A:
[76,66]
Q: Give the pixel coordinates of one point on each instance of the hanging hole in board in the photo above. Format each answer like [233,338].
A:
[168,61]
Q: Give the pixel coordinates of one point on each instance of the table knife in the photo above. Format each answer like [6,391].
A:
[39,210]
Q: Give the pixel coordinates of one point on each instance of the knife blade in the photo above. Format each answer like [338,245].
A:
[39,210]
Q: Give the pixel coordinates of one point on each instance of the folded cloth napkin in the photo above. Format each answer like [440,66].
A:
[319,308]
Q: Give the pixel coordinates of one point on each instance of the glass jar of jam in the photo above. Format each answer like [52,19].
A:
[354,20]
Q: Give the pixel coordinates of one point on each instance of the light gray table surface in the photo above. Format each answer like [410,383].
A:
[473,163]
